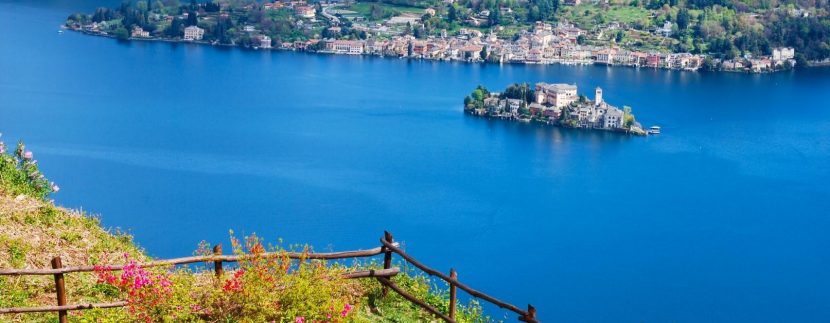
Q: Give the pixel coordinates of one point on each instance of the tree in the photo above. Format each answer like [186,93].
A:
[176,28]
[580,39]
[495,17]
[628,118]
[683,18]
[483,53]
[619,37]
[452,14]
[192,18]
[121,33]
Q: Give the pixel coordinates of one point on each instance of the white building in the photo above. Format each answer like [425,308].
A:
[613,118]
[783,53]
[558,95]
[139,32]
[345,46]
[193,33]
[264,42]
[305,11]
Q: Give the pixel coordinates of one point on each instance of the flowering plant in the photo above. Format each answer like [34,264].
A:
[19,173]
[145,291]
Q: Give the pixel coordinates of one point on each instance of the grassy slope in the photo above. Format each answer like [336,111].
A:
[33,230]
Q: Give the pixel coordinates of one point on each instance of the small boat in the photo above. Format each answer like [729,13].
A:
[654,130]
[60,31]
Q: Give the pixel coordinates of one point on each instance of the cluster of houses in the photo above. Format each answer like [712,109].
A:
[781,58]
[557,103]
[544,44]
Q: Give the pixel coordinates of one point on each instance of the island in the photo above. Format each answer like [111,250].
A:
[553,104]
[687,35]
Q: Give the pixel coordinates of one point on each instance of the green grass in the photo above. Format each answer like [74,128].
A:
[587,15]
[365,9]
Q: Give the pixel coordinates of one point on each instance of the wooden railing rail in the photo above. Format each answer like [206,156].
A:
[43,309]
[383,276]
[197,259]
[526,316]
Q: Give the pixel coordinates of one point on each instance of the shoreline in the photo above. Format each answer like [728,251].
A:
[558,62]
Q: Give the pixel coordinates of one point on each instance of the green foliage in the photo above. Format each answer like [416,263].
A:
[394,308]
[13,295]
[19,174]
[628,117]
[266,289]
[17,249]
[520,91]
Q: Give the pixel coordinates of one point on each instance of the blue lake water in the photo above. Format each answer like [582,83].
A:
[723,218]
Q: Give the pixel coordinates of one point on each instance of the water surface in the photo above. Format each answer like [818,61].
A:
[720,219]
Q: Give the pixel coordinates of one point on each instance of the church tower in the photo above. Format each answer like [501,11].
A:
[598,96]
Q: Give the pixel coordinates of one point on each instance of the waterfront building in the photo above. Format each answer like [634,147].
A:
[613,118]
[513,105]
[139,32]
[783,53]
[264,41]
[354,47]
[193,33]
[558,95]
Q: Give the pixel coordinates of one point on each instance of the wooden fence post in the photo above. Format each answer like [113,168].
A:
[217,264]
[454,276]
[531,313]
[387,257]
[60,288]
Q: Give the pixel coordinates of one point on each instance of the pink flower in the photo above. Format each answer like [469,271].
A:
[299,319]
[55,188]
[28,155]
[346,309]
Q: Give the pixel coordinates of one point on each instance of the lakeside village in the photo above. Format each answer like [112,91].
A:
[322,27]
[554,104]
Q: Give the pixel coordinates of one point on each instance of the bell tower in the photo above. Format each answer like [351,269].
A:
[598,96]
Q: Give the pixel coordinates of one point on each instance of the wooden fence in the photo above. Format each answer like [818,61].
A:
[388,248]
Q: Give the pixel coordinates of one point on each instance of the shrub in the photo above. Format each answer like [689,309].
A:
[19,173]
[263,288]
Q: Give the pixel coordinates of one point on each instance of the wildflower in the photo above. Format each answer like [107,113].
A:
[299,319]
[346,309]
[2,148]
[55,188]
[234,284]
[28,155]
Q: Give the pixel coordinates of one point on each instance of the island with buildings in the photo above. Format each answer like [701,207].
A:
[433,30]
[553,104]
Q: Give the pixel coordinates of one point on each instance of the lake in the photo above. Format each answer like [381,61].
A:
[722,218]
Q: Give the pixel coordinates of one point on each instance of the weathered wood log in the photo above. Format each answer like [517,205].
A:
[196,259]
[41,309]
[387,257]
[373,273]
[453,297]
[217,265]
[388,283]
[451,281]
[60,290]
